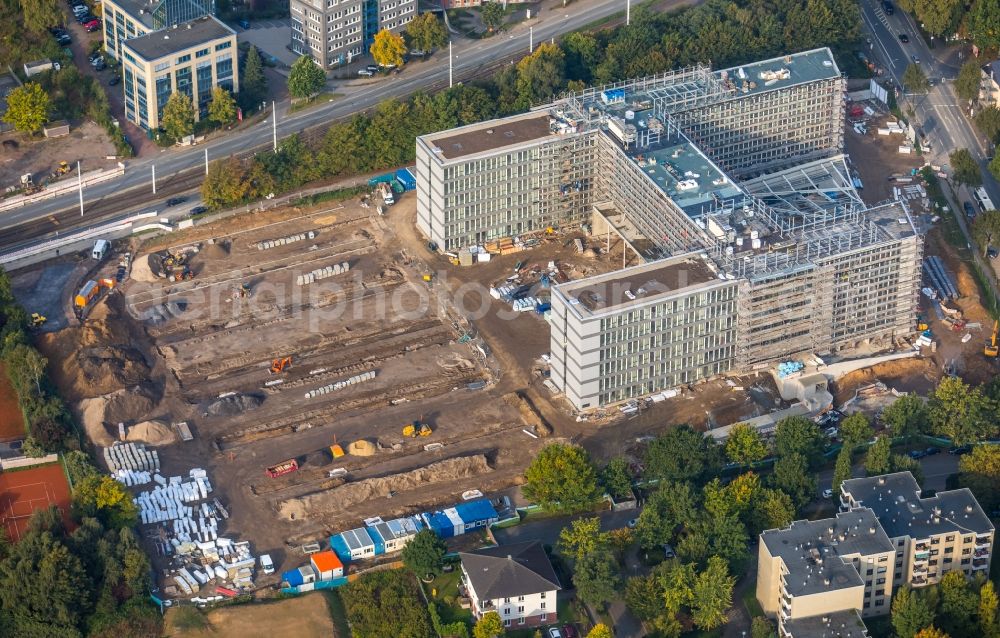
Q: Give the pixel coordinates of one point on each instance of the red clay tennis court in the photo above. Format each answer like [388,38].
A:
[24,491]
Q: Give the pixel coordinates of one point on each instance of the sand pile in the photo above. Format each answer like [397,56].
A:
[91,414]
[146,268]
[362,447]
[349,494]
[233,404]
[152,433]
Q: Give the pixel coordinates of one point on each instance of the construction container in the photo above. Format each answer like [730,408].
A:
[300,576]
[354,544]
[395,534]
[327,565]
[405,177]
[475,514]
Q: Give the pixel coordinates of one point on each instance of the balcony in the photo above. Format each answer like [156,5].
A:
[981,563]
[918,581]
[982,553]
[921,557]
[984,541]
[922,546]
[920,569]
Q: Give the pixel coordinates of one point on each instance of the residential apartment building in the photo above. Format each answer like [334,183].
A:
[819,578]
[932,536]
[124,19]
[516,581]
[989,84]
[333,32]
[191,58]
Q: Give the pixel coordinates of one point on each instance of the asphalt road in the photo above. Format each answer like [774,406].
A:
[937,469]
[471,58]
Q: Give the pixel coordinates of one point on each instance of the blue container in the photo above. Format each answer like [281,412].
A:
[293,577]
[475,514]
[407,179]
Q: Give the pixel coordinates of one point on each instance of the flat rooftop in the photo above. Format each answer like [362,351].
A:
[813,550]
[638,284]
[781,72]
[893,219]
[895,499]
[492,135]
[686,174]
[839,624]
[140,10]
[181,37]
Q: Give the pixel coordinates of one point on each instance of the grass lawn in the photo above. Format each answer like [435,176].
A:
[751,603]
[444,591]
[315,100]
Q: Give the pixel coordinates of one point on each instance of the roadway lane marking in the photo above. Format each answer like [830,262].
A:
[874,31]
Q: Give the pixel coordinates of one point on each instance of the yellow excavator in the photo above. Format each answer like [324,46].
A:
[416,429]
[991,349]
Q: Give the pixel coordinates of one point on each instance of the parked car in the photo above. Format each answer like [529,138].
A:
[632,523]
[887,8]
[668,551]
[92,26]
[365,73]
[266,563]
[969,210]
[173,201]
[244,24]
[904,38]
[372,68]
[80,9]
[85,18]
[992,252]
[114,80]
[832,432]
[931,451]
[959,451]
[198,210]
[827,493]
[915,59]
[64,39]
[917,454]
[554,633]
[570,631]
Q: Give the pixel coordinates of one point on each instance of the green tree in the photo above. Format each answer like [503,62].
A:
[967,82]
[855,430]
[964,169]
[253,84]
[78,466]
[959,604]
[842,470]
[492,15]
[986,226]
[177,120]
[910,612]
[961,412]
[616,478]
[222,108]
[938,17]
[562,479]
[713,595]
[541,74]
[791,475]
[644,596]
[980,472]
[596,579]
[987,615]
[771,509]
[39,15]
[107,499]
[761,627]
[225,184]
[914,79]
[988,122]
[906,416]
[878,460]
[904,463]
[583,536]
[305,79]
[666,510]
[600,630]
[682,454]
[931,632]
[489,626]
[745,446]
[983,23]
[424,554]
[388,48]
[27,108]
[426,32]
[799,435]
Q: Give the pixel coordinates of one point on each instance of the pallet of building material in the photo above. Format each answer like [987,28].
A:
[323,273]
[339,385]
[282,241]
[130,456]
[183,431]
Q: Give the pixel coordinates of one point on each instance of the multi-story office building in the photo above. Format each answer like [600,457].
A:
[818,577]
[333,32]
[191,58]
[931,536]
[742,167]
[124,19]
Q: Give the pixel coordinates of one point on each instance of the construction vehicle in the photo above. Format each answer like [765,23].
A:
[180,272]
[416,429]
[242,291]
[171,260]
[991,349]
[62,169]
[279,365]
[28,185]
[37,321]
[88,295]
[280,469]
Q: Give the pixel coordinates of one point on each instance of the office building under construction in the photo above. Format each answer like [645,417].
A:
[732,190]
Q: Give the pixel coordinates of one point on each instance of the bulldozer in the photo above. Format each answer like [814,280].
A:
[416,429]
[280,365]
[62,169]
[991,350]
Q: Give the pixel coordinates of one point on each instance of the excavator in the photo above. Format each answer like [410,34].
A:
[417,428]
[242,291]
[991,350]
[37,321]
[280,365]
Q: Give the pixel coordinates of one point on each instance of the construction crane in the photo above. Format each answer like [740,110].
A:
[416,429]
[991,349]
[280,365]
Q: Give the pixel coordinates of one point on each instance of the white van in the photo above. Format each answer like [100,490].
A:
[101,248]
[266,564]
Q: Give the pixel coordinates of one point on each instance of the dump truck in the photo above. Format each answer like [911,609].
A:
[280,469]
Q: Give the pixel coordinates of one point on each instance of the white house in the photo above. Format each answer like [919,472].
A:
[517,581]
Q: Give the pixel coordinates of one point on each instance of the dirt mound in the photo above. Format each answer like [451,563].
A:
[350,494]
[361,447]
[91,414]
[216,250]
[107,368]
[132,404]
[146,269]
[233,404]
[152,433]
